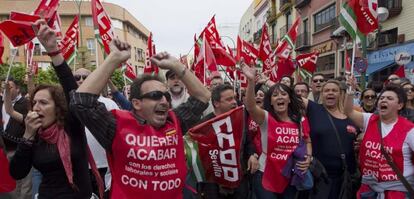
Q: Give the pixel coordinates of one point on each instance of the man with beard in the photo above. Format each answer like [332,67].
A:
[317,80]
[176,88]
[223,99]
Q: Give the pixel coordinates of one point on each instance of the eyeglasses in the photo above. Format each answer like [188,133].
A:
[409,89]
[156,95]
[318,80]
[369,97]
[78,77]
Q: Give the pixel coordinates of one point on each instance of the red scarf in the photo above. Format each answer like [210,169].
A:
[56,135]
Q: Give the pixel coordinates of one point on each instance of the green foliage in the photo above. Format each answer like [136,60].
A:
[46,76]
[118,79]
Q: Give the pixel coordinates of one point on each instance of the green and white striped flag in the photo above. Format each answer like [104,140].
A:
[348,20]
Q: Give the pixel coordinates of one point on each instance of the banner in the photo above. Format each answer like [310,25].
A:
[18,32]
[69,43]
[287,44]
[129,72]
[102,21]
[46,9]
[265,50]
[307,61]
[213,149]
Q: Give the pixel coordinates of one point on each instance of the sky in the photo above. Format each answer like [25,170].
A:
[174,22]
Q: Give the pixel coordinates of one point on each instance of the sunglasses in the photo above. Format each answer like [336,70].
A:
[393,79]
[318,80]
[369,97]
[156,95]
[409,89]
[78,77]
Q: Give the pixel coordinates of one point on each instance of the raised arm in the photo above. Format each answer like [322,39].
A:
[195,88]
[8,106]
[48,39]
[96,81]
[257,114]
[355,116]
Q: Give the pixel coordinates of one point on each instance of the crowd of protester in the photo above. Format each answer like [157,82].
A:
[70,141]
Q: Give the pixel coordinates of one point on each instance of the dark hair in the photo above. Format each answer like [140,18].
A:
[340,78]
[290,78]
[58,96]
[376,86]
[135,89]
[295,107]
[397,89]
[318,74]
[169,74]
[302,83]
[15,81]
[363,93]
[216,92]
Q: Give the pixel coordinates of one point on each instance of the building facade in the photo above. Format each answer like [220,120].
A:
[126,28]
[246,27]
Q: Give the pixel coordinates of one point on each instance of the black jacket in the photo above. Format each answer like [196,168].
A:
[15,128]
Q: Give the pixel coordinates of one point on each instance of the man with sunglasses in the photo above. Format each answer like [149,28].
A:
[144,146]
[317,80]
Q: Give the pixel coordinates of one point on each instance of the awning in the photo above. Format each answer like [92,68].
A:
[372,68]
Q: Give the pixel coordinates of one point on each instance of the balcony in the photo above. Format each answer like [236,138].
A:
[285,5]
[303,41]
[301,3]
[386,39]
[283,30]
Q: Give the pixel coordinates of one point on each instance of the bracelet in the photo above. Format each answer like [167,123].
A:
[54,53]
[182,73]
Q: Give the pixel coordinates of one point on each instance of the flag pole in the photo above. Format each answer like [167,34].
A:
[13,55]
[353,58]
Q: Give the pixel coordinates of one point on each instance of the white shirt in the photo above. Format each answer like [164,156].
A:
[408,145]
[5,116]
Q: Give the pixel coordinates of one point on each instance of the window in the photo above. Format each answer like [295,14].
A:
[37,50]
[139,54]
[390,3]
[324,18]
[117,23]
[326,63]
[289,20]
[88,21]
[90,43]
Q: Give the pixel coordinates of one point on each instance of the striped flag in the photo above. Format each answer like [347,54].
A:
[357,24]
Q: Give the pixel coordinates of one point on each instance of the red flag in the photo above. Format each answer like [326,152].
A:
[19,16]
[247,51]
[283,67]
[206,57]
[217,46]
[18,32]
[29,54]
[1,48]
[285,47]
[149,67]
[56,24]
[70,41]
[46,8]
[103,22]
[265,50]
[216,146]
[400,72]
[366,14]
[34,68]
[308,61]
[129,72]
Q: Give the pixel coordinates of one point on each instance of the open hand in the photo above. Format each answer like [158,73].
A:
[249,72]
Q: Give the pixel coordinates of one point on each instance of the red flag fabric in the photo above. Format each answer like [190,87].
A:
[70,41]
[208,56]
[400,72]
[308,61]
[46,8]
[366,14]
[103,22]
[29,54]
[7,183]
[129,72]
[19,16]
[265,50]
[18,32]
[217,46]
[283,67]
[285,47]
[56,24]
[149,67]
[247,51]
[1,48]
[34,67]
[218,149]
